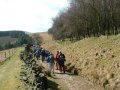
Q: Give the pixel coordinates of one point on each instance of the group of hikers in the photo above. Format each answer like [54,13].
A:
[53,60]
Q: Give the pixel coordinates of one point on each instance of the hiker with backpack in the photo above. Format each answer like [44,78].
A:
[43,54]
[61,61]
[56,59]
[37,53]
[50,60]
[47,53]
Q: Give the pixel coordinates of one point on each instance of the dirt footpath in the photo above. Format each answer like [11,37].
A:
[75,82]
[71,82]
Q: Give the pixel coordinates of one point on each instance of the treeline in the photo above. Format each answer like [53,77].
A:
[13,34]
[21,38]
[86,18]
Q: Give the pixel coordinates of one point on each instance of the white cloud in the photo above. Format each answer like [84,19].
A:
[29,15]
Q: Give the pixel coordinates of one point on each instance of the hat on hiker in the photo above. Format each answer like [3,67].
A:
[59,51]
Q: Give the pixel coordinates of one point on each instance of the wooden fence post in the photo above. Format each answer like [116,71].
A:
[12,51]
[9,53]
[0,56]
[5,54]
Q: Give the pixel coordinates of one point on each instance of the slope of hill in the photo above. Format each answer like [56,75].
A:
[6,39]
[11,39]
[95,58]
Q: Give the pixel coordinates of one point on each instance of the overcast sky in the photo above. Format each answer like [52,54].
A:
[29,15]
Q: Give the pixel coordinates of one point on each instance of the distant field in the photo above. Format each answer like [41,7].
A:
[6,39]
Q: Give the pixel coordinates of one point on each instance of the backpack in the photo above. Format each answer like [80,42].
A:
[62,57]
[37,52]
[51,59]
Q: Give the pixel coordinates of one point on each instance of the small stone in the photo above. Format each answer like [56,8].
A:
[75,71]
[110,75]
[96,54]
[113,56]
[104,51]
[105,83]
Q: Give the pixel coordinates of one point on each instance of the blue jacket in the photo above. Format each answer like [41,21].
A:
[50,59]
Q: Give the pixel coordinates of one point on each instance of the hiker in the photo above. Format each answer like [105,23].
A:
[47,58]
[36,47]
[37,53]
[43,54]
[56,59]
[51,62]
[61,61]
[47,53]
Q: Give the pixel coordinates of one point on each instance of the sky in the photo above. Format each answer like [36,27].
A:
[29,15]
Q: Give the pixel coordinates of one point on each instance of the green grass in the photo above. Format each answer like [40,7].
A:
[9,73]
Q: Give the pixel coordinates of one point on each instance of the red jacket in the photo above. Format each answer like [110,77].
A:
[56,56]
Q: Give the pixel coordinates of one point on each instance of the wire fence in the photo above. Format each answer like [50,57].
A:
[6,54]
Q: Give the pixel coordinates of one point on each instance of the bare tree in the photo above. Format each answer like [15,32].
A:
[86,18]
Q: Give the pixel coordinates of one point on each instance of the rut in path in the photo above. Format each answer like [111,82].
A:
[72,82]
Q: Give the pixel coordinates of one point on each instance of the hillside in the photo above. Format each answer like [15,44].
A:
[95,58]
[11,39]
[6,39]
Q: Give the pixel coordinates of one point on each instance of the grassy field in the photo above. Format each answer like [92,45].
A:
[9,73]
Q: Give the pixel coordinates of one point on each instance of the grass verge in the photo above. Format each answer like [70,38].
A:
[9,73]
